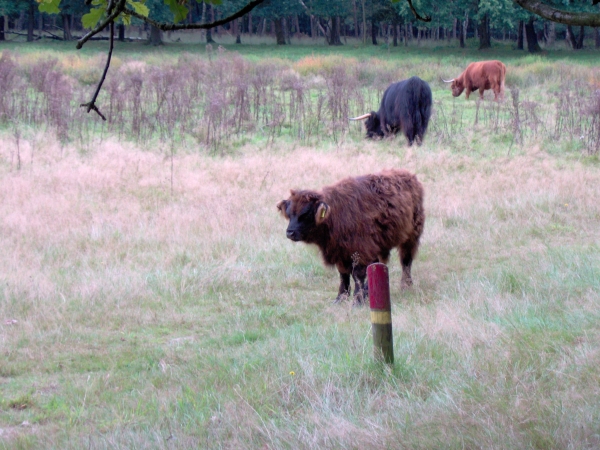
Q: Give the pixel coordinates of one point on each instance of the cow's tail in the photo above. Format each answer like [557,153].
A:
[419,211]
[417,194]
[420,100]
[502,79]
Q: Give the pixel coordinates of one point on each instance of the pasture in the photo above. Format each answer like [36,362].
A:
[150,299]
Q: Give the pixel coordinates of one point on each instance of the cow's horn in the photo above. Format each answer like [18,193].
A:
[448,81]
[363,117]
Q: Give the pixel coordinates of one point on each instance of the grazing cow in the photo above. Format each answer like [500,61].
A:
[406,107]
[481,75]
[358,221]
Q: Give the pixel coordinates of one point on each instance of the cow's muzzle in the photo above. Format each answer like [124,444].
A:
[293,235]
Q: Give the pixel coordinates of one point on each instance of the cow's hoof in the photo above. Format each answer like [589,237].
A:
[357,303]
[406,284]
[360,299]
[340,298]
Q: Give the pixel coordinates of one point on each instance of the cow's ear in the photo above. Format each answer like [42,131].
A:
[322,213]
[282,207]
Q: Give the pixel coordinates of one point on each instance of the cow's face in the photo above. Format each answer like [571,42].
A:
[373,126]
[457,88]
[305,211]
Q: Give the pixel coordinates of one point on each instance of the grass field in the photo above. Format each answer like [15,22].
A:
[150,299]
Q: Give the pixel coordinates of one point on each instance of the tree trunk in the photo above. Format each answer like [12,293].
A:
[209,38]
[580,38]
[66,22]
[279,33]
[575,42]
[2,38]
[236,28]
[597,37]
[532,42]
[155,36]
[395,32]
[121,28]
[250,30]
[550,34]
[520,35]
[465,25]
[485,40]
[334,39]
[20,20]
[30,22]
[374,33]
[355,19]
[364,21]
[213,17]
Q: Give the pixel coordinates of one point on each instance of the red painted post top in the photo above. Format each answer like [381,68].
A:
[379,287]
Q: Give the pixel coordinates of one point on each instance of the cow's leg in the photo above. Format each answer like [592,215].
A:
[497,94]
[344,290]
[408,250]
[410,135]
[481,91]
[361,288]
[467,93]
[383,126]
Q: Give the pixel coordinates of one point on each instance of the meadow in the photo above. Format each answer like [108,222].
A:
[150,299]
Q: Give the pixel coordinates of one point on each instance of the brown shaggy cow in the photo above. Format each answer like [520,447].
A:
[358,221]
[481,75]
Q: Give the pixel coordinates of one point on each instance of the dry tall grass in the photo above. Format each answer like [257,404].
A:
[133,316]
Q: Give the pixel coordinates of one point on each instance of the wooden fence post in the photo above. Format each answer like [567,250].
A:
[381,312]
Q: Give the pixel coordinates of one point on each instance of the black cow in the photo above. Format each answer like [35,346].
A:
[406,107]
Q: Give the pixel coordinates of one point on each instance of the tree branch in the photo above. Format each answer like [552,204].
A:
[113,12]
[91,105]
[194,26]
[552,14]
[117,7]
[417,16]
[313,17]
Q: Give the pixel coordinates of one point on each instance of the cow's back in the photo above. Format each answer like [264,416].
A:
[377,209]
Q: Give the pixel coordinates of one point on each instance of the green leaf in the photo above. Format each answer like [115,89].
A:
[49,6]
[90,19]
[139,8]
[179,11]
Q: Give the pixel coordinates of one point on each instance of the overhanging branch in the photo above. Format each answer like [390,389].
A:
[194,26]
[578,19]
[417,16]
[91,105]
[117,7]
[113,12]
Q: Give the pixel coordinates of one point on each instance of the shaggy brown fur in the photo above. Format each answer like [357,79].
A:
[358,221]
[481,75]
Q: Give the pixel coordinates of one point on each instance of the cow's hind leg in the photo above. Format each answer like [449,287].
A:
[408,250]
[344,291]
[410,135]
[361,288]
